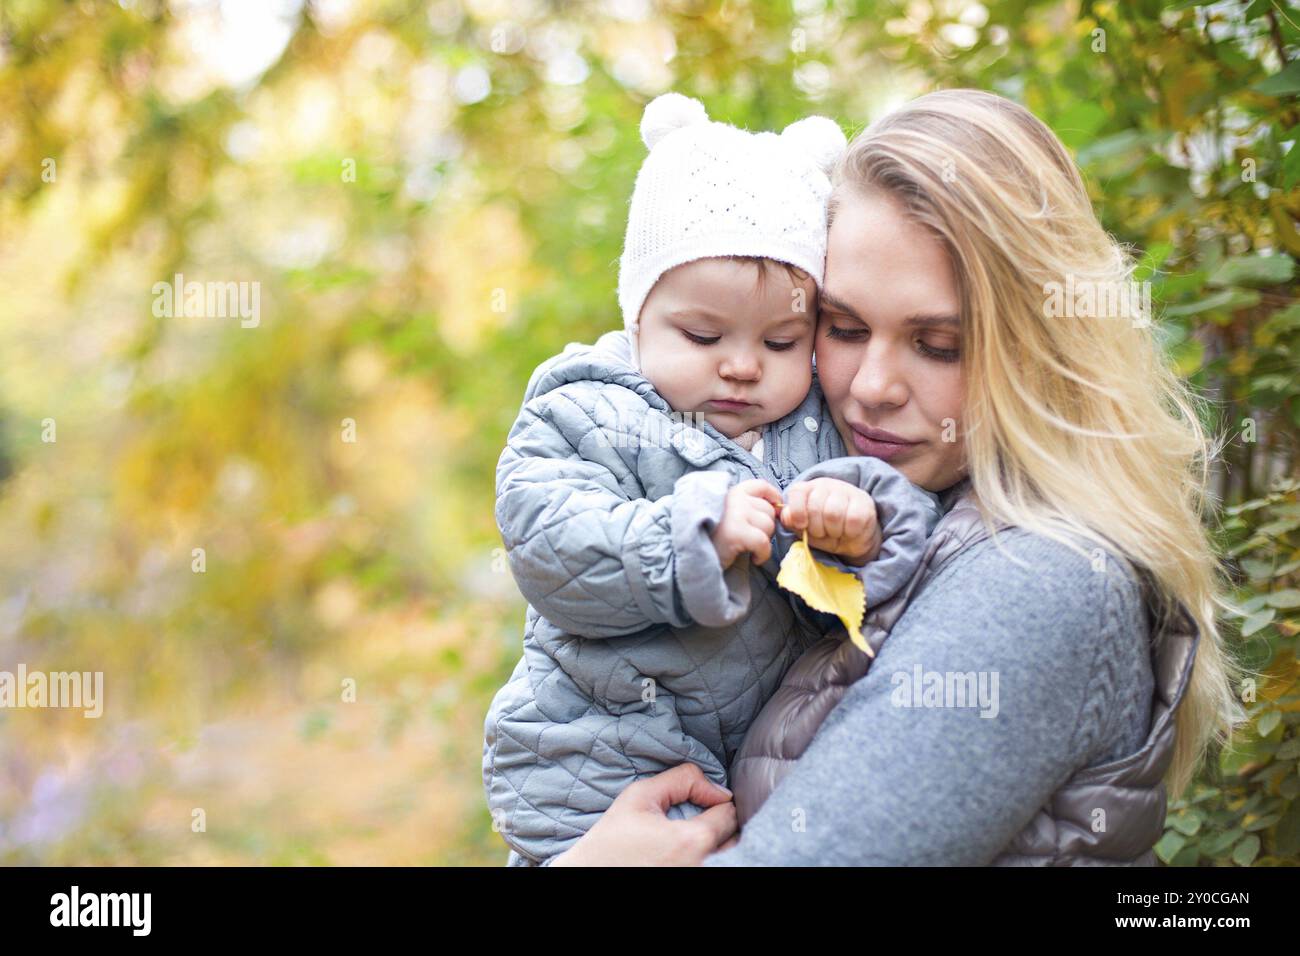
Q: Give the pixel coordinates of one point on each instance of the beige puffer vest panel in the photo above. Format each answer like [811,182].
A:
[1129,792]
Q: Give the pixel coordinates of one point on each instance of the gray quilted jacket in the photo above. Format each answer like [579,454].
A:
[1128,792]
[640,652]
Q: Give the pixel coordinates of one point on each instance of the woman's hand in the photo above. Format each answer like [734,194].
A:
[634,831]
[839,518]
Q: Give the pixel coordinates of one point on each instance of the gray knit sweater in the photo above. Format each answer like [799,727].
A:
[887,784]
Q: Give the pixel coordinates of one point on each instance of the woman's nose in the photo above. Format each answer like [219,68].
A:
[880,381]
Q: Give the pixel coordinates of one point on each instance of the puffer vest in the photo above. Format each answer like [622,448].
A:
[1110,814]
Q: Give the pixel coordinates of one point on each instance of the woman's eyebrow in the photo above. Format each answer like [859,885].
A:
[837,303]
[930,321]
[925,320]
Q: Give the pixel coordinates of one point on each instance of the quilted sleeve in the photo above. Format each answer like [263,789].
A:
[587,552]
[553,764]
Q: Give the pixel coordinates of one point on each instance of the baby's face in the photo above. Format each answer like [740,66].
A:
[714,341]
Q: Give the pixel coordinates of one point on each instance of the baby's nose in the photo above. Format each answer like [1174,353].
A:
[743,366]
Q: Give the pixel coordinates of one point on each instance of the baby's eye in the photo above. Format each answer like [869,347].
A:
[701,339]
[780,346]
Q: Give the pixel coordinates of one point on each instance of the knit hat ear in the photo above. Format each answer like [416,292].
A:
[817,136]
[668,112]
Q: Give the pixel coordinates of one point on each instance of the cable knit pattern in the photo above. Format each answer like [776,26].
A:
[1116,709]
[1112,590]
[1121,689]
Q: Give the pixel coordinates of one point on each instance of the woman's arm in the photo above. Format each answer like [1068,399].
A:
[884,783]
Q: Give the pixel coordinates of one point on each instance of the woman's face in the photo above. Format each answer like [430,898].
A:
[887,341]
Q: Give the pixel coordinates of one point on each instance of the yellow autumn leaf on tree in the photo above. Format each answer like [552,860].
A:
[826,589]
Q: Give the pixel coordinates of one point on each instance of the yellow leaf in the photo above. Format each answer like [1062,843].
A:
[826,589]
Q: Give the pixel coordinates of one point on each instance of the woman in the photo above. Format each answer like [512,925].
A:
[941,349]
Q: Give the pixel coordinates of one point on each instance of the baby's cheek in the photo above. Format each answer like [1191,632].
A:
[668,384]
[793,379]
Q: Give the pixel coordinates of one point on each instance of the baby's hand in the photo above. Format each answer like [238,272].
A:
[839,518]
[748,522]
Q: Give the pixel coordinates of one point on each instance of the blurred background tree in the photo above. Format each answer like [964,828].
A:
[242,525]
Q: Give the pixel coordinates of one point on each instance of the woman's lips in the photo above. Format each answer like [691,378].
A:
[884,445]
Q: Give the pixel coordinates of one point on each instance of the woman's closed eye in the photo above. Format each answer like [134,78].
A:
[942,355]
[860,333]
[847,334]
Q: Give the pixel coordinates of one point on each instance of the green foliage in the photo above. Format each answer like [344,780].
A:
[1244,810]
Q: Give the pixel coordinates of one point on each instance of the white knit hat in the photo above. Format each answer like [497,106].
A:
[710,189]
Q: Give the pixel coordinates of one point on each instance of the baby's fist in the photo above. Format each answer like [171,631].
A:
[748,522]
[840,518]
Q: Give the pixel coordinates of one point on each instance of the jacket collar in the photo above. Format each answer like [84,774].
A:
[953,493]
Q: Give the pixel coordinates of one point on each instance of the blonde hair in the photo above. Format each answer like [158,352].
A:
[1075,425]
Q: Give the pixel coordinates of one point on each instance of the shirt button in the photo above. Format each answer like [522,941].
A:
[810,423]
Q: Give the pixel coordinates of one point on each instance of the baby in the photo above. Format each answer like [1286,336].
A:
[638,494]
